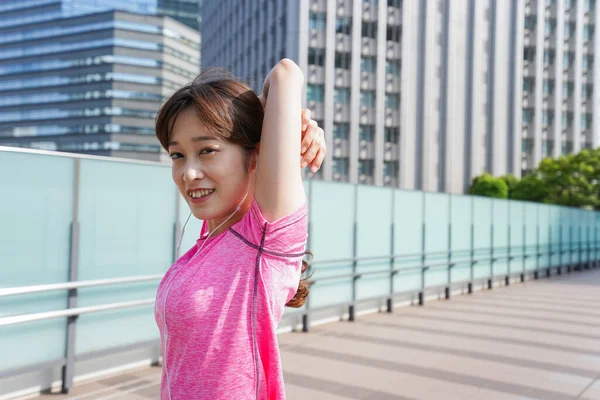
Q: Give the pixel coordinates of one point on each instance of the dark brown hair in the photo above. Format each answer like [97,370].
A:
[231,111]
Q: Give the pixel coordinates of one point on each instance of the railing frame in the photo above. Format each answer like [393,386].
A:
[73,312]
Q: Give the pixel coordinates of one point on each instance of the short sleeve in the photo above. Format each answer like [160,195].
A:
[287,235]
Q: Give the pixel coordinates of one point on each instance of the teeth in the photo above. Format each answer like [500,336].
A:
[200,193]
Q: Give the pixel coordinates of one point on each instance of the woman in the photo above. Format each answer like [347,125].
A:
[235,161]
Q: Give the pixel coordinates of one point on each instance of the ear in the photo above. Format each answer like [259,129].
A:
[254,159]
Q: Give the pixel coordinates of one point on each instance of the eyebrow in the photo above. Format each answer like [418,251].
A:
[195,139]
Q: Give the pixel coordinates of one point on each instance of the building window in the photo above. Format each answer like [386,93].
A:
[394,33]
[527,115]
[390,168]
[392,101]
[584,122]
[339,167]
[544,148]
[343,25]
[341,96]
[392,135]
[527,146]
[529,54]
[367,99]
[342,60]
[366,133]
[316,56]
[368,64]
[566,60]
[316,21]
[365,167]
[549,56]
[341,131]
[586,32]
[369,29]
[392,67]
[530,23]
[565,120]
[548,87]
[314,93]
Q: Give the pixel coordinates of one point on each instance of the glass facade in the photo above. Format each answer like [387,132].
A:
[96,74]
[185,11]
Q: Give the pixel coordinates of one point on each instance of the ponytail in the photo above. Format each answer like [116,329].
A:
[303,287]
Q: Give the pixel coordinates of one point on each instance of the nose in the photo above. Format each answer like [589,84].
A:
[192,172]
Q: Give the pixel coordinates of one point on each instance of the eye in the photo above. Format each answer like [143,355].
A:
[175,156]
[208,150]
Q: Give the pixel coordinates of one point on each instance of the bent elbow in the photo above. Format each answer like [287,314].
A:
[287,70]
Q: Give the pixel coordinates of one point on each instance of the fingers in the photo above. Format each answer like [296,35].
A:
[309,135]
[318,161]
[315,149]
[305,119]
[310,154]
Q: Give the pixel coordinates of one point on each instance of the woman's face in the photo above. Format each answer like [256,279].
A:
[211,173]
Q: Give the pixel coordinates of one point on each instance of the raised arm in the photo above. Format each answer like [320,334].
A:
[279,190]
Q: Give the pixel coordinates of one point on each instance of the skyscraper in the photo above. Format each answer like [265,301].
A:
[75,77]
[425,94]
[14,13]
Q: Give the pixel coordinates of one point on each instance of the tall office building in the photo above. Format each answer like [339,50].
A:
[14,13]
[425,94]
[85,82]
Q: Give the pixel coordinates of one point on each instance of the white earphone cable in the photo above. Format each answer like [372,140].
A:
[172,280]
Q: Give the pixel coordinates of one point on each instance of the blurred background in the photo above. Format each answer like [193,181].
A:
[463,155]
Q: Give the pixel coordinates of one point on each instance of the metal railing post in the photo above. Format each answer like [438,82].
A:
[177,234]
[306,315]
[537,251]
[549,251]
[570,264]
[595,247]
[589,251]
[68,370]
[423,259]
[472,263]
[449,258]
[490,282]
[509,256]
[351,308]
[578,249]
[524,255]
[560,250]
[390,300]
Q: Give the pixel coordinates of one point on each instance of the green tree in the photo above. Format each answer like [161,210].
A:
[530,188]
[511,183]
[487,185]
[571,180]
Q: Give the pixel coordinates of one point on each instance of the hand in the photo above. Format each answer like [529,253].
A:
[313,148]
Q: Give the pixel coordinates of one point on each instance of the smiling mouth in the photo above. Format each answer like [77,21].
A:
[196,194]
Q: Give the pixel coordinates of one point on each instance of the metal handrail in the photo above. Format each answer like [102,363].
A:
[74,312]
[74,285]
[71,312]
[102,282]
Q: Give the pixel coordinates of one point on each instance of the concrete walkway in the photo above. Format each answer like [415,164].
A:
[539,340]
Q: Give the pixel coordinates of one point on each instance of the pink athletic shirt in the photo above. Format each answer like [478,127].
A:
[222,308]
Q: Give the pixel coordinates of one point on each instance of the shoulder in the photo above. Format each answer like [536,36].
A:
[286,235]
